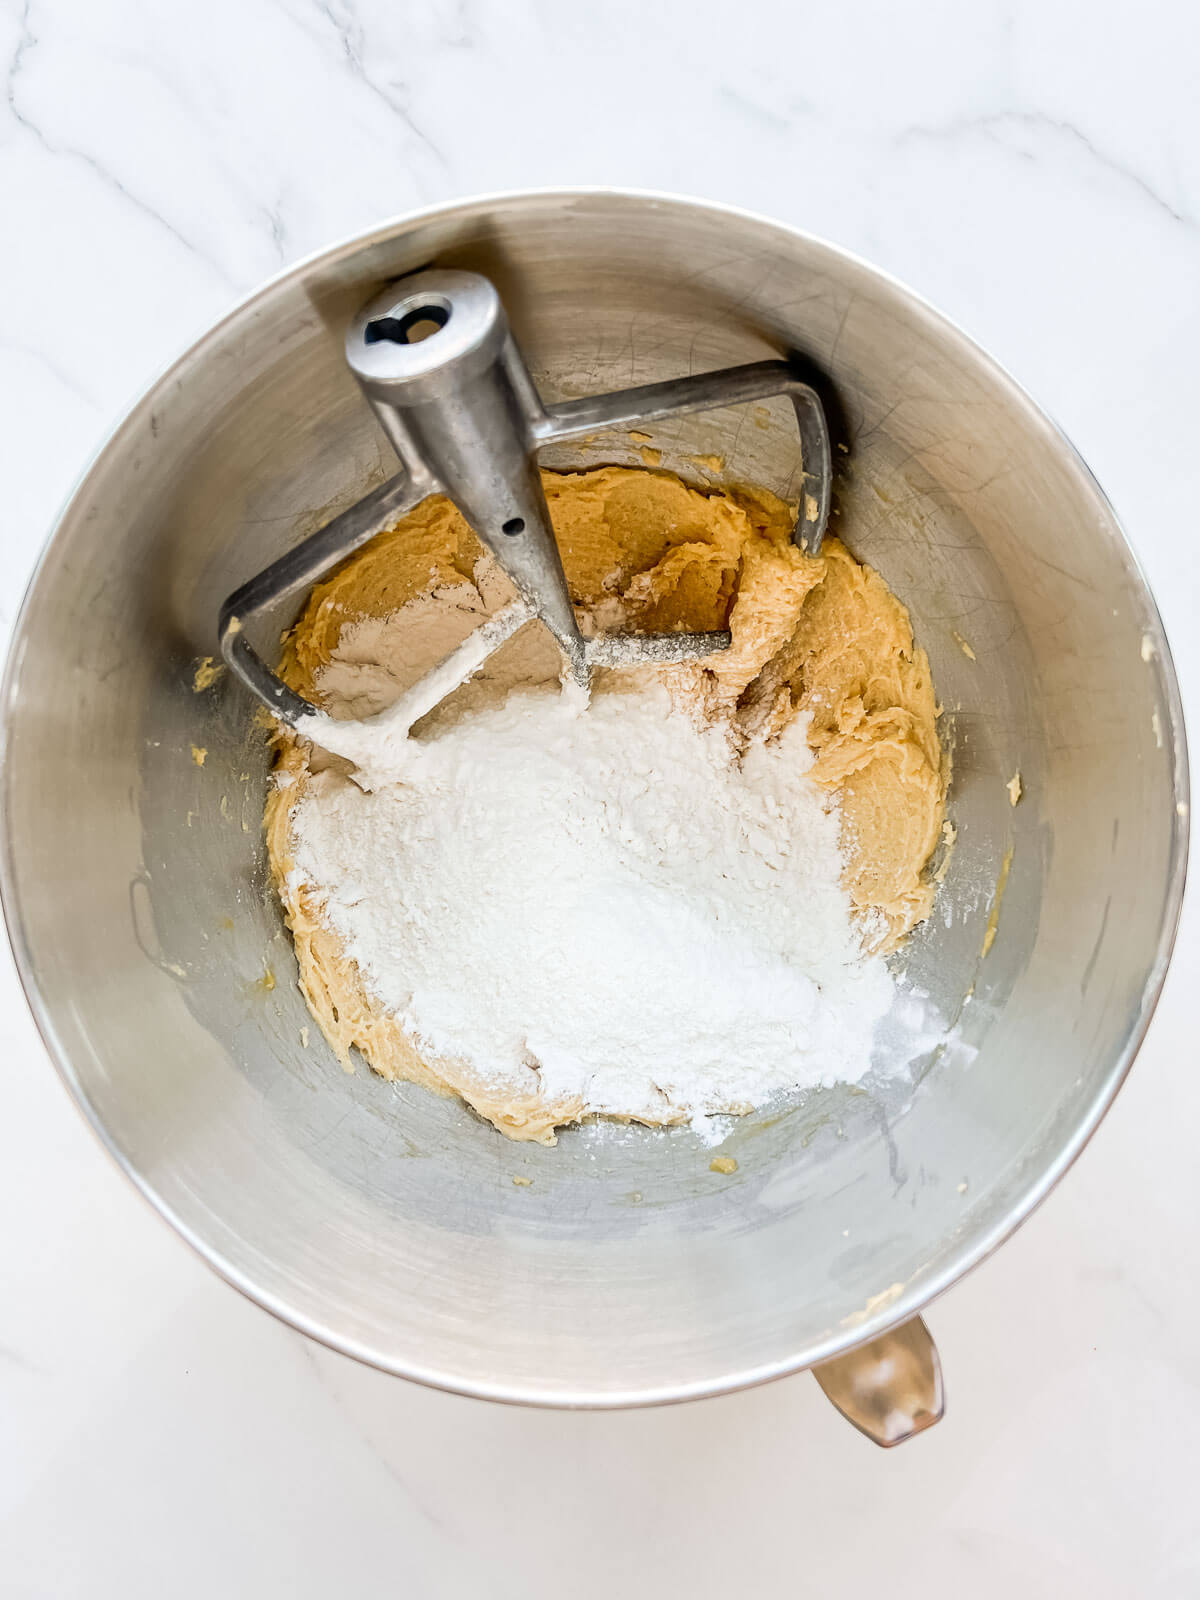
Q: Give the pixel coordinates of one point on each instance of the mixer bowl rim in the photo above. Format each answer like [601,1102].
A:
[976,1247]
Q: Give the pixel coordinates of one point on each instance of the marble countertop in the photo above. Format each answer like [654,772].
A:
[1031,166]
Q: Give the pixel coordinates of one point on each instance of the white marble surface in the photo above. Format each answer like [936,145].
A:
[1033,166]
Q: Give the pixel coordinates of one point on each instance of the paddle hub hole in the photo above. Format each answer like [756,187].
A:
[422,322]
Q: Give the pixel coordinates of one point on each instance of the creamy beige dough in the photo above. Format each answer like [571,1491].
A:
[818,635]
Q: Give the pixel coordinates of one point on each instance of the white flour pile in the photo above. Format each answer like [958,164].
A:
[609,895]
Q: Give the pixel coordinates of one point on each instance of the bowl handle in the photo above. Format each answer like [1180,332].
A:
[890,1388]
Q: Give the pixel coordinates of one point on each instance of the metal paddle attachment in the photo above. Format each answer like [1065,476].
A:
[434,356]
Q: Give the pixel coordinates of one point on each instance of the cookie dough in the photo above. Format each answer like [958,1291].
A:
[821,636]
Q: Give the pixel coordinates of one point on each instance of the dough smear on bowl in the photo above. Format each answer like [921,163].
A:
[820,645]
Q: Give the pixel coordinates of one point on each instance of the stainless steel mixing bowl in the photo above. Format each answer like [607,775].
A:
[385,1221]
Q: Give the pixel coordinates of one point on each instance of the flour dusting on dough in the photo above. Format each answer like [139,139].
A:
[815,639]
